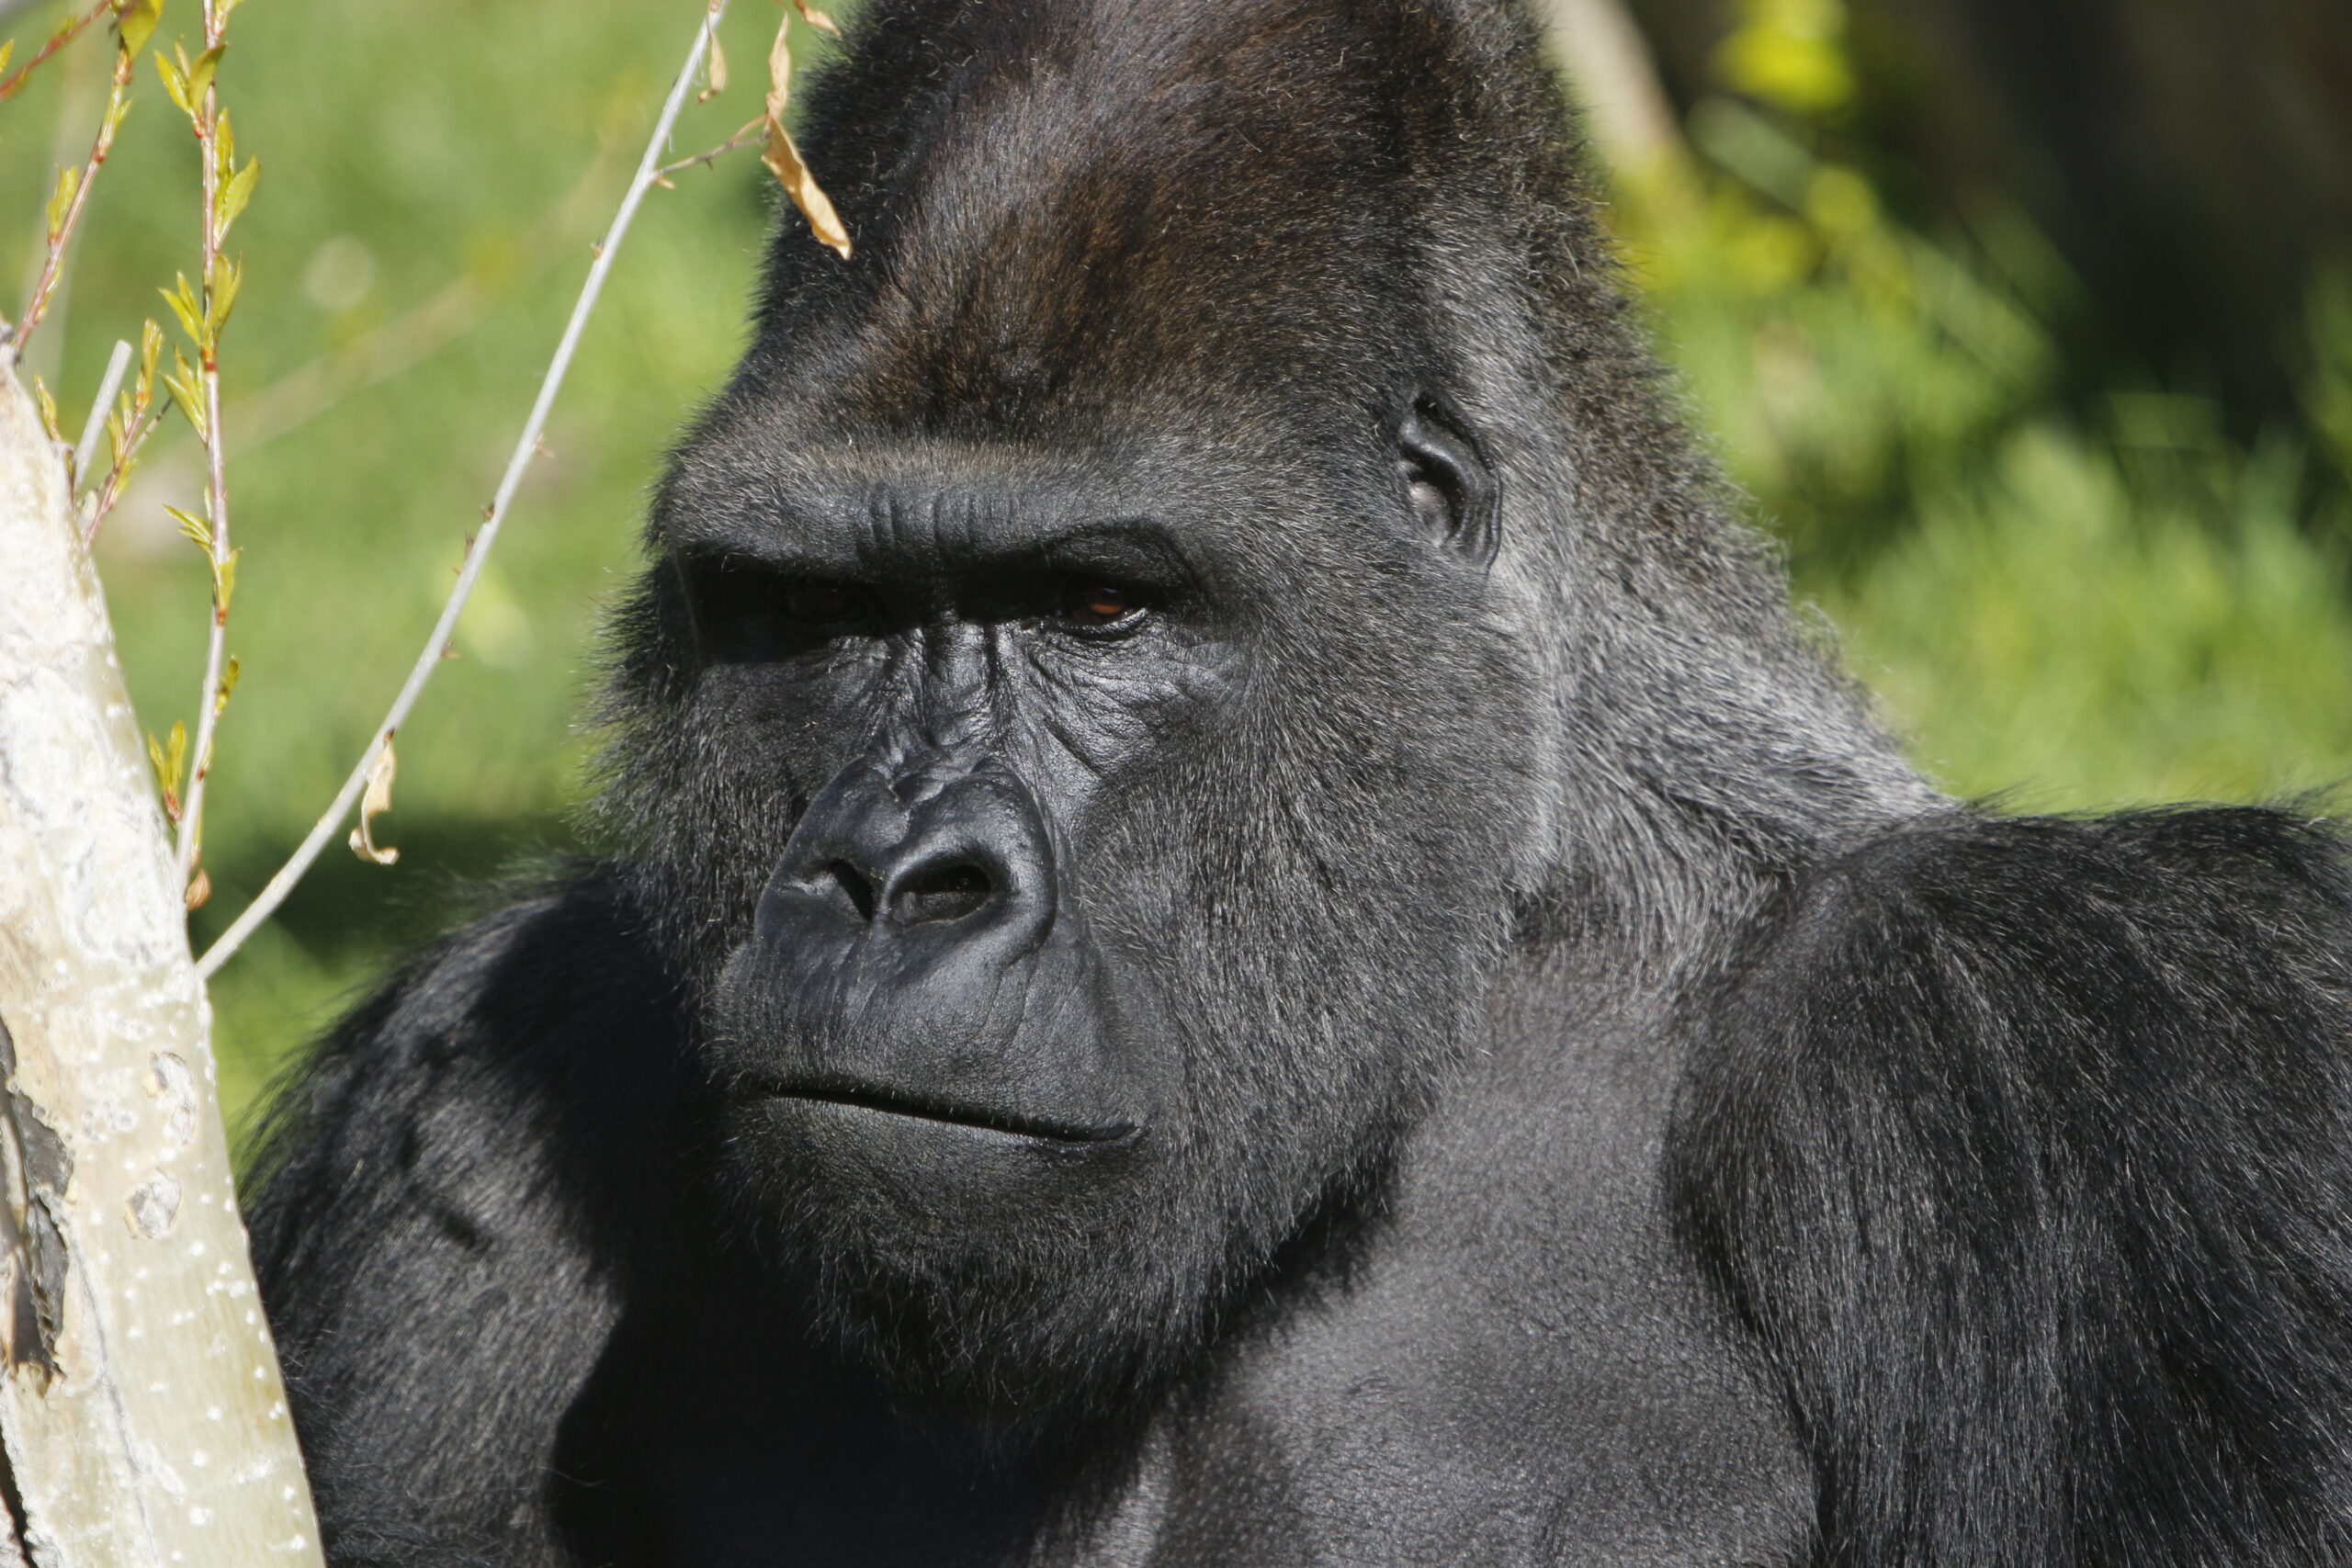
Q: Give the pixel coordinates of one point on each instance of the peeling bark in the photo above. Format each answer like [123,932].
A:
[141,1405]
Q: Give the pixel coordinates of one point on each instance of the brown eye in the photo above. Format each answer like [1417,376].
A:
[1096,606]
[824,604]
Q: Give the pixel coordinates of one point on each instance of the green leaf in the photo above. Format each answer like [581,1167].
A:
[238,191]
[199,75]
[175,767]
[192,527]
[182,299]
[224,585]
[61,201]
[48,411]
[227,276]
[175,76]
[186,393]
[169,762]
[134,24]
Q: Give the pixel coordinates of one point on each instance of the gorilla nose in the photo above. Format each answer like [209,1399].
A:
[944,890]
[962,858]
[911,969]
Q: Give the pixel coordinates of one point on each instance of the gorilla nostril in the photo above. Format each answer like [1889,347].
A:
[856,887]
[946,892]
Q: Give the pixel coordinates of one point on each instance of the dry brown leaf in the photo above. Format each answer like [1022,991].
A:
[199,892]
[374,804]
[780,71]
[715,68]
[815,18]
[782,158]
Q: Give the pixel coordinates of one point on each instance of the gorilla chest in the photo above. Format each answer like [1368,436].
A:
[1524,1370]
[1519,1367]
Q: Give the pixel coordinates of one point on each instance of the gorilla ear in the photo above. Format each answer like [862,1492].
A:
[1447,482]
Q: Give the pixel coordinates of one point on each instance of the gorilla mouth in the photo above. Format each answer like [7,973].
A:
[918,1108]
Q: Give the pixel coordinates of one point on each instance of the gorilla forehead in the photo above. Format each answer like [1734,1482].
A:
[1051,195]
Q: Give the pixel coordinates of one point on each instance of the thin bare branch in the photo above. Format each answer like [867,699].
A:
[751,135]
[117,366]
[61,225]
[217,150]
[129,425]
[75,27]
[429,660]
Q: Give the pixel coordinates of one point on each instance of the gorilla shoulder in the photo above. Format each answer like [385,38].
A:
[2024,1146]
[440,1192]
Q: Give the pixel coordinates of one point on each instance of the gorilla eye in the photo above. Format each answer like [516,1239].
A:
[825,603]
[1088,606]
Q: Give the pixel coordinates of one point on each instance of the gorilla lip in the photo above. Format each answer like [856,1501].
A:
[885,1103]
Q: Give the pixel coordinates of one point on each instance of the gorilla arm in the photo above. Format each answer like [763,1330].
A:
[2026,1148]
[435,1227]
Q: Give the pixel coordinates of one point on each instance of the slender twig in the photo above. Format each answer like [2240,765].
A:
[62,226]
[478,553]
[134,420]
[214,697]
[102,500]
[75,27]
[117,364]
[751,135]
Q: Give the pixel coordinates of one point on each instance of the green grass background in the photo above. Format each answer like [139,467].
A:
[2082,591]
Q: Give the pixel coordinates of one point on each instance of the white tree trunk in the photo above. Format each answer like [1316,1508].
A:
[141,1405]
[1612,74]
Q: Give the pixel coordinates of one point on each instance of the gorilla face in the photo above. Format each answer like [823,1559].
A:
[1108,846]
[1083,757]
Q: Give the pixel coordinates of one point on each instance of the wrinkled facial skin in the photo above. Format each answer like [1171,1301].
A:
[1105,886]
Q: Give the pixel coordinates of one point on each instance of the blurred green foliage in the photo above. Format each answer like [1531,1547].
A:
[2086,601]
[2070,589]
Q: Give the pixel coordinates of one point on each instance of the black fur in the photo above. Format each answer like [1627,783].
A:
[2022,1145]
[1441,1033]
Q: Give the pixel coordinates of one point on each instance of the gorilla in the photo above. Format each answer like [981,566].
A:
[1238,927]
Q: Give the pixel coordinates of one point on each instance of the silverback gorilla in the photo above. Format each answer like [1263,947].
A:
[1241,930]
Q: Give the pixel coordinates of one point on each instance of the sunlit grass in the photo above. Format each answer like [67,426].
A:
[2049,629]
